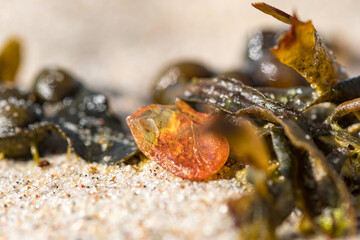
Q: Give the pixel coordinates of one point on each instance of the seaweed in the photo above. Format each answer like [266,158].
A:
[10,60]
[304,50]
[60,111]
[299,144]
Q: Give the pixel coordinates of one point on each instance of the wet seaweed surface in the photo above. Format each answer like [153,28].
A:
[296,132]
[61,113]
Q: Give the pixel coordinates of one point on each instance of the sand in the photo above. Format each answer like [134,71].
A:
[73,199]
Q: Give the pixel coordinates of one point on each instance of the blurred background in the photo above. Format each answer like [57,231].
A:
[122,45]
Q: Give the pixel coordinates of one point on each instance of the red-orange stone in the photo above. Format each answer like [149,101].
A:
[176,138]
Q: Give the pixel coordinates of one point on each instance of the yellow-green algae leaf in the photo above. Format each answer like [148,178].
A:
[10,60]
[272,11]
[302,49]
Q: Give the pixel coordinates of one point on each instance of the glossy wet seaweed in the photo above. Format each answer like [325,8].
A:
[299,141]
[60,105]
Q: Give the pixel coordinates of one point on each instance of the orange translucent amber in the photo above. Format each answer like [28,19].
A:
[177,138]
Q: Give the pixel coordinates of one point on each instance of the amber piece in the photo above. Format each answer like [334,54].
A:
[177,138]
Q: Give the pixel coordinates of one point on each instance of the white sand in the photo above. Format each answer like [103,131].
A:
[72,199]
